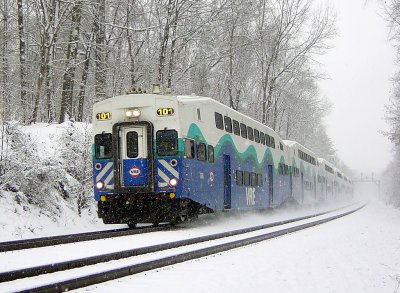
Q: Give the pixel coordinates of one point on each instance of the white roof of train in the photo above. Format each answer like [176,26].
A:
[292,143]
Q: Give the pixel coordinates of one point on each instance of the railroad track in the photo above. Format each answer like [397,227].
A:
[72,238]
[114,273]
[87,236]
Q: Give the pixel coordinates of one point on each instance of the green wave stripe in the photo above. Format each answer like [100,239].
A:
[195,133]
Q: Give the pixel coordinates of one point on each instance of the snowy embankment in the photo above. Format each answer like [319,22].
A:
[47,186]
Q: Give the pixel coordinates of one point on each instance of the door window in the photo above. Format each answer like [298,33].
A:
[132,146]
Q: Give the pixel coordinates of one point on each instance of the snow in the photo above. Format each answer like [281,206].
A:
[357,253]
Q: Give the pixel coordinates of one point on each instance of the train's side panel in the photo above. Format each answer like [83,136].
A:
[215,184]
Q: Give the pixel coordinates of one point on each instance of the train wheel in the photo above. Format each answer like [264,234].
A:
[179,219]
[132,225]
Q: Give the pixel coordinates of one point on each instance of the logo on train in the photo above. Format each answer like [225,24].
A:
[250,196]
[134,171]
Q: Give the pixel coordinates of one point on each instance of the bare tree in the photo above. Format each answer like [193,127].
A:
[289,34]
[72,52]
[22,60]
[100,51]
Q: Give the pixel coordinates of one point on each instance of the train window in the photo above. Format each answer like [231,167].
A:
[281,169]
[103,145]
[219,122]
[132,146]
[262,138]
[211,154]
[246,176]
[260,180]
[253,179]
[250,133]
[272,142]
[256,135]
[236,128]
[239,177]
[189,148]
[281,146]
[243,130]
[198,114]
[228,124]
[167,142]
[201,151]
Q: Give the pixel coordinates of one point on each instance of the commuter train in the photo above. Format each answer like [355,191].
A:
[164,158]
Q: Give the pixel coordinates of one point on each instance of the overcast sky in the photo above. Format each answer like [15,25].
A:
[360,66]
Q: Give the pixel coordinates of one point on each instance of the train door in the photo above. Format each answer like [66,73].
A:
[315,188]
[133,162]
[133,151]
[270,185]
[302,186]
[227,182]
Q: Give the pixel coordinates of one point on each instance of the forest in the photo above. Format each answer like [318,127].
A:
[392,173]
[259,57]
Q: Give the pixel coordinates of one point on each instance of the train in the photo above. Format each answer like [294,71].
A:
[160,157]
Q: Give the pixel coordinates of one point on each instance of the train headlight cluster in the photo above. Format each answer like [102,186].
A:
[133,113]
[99,185]
[173,182]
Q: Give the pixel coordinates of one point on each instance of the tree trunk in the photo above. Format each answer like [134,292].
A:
[69,75]
[5,65]
[100,53]
[22,60]
[164,44]
[39,80]
[84,79]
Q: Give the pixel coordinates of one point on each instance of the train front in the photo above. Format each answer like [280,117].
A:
[136,159]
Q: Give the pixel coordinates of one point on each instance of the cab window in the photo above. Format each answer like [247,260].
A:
[103,146]
[167,142]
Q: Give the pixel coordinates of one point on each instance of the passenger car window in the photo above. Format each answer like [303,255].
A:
[189,148]
[228,124]
[219,123]
[236,128]
[239,177]
[250,133]
[243,130]
[201,151]
[210,154]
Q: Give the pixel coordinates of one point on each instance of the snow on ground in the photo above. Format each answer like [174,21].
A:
[357,253]
[210,224]
[22,220]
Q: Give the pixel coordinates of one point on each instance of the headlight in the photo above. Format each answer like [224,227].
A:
[134,113]
[173,182]
[99,185]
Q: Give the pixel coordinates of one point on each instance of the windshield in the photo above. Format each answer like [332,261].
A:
[167,142]
[103,146]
